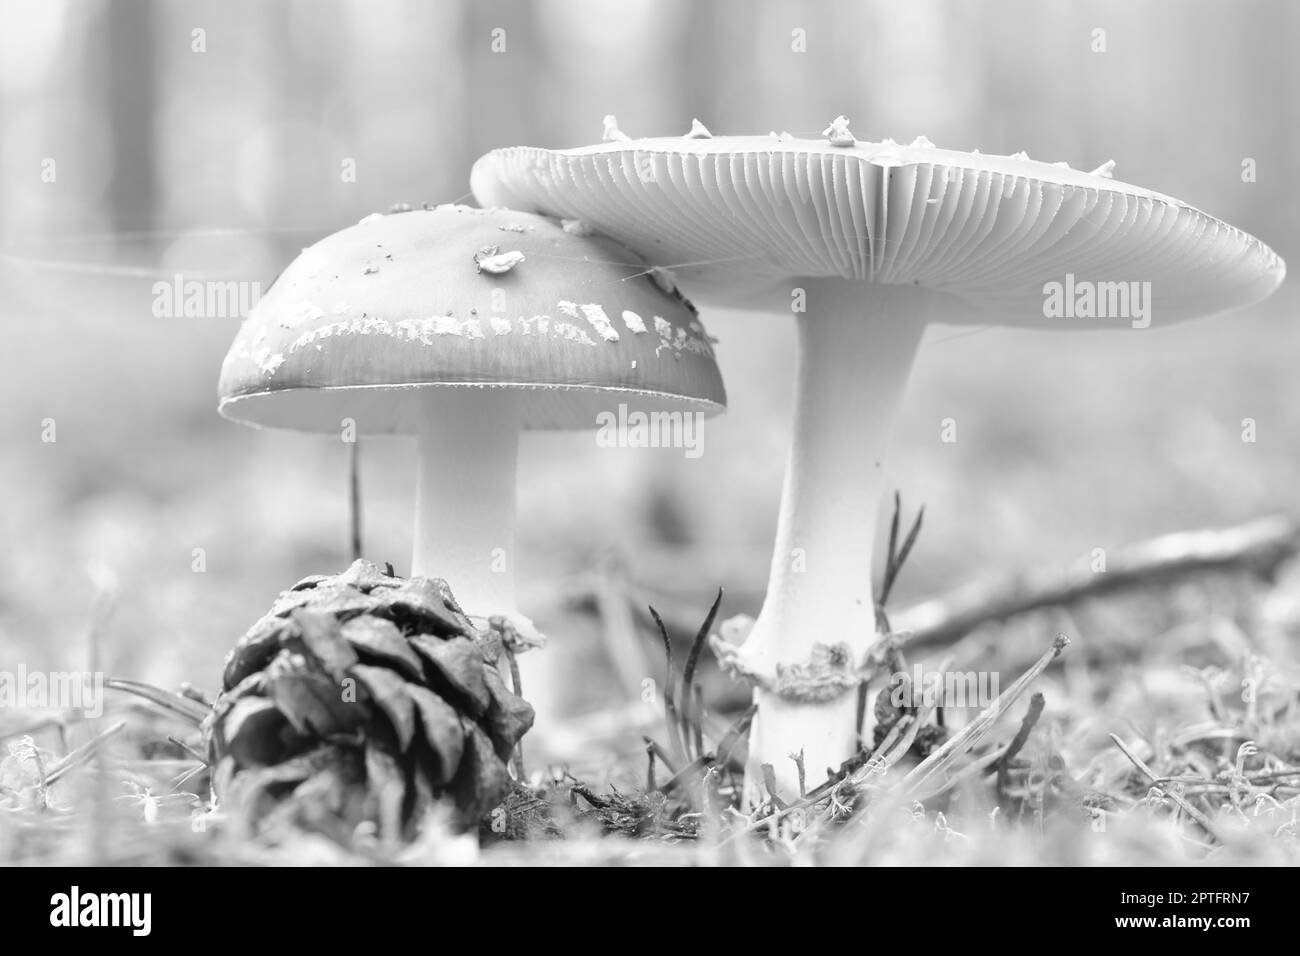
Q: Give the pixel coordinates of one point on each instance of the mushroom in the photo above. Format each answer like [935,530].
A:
[462,327]
[867,243]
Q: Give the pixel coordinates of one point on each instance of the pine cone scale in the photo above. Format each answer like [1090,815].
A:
[460,662]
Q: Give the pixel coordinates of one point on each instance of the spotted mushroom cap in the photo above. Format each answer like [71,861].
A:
[455,297]
[993,231]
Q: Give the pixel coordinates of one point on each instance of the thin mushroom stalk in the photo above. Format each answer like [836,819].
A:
[856,346]
[468,449]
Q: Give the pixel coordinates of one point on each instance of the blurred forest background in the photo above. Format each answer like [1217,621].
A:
[223,163]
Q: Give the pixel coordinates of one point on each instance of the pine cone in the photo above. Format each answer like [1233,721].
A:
[363,697]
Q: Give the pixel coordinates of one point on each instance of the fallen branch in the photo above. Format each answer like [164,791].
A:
[1258,547]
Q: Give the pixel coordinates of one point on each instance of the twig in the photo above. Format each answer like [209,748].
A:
[973,732]
[1036,704]
[178,704]
[860,709]
[976,767]
[654,745]
[1173,795]
[354,496]
[582,790]
[684,775]
[81,754]
[185,777]
[1257,776]
[517,685]
[1003,766]
[803,776]
[877,762]
[188,749]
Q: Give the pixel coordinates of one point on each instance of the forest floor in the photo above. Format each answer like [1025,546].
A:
[1157,724]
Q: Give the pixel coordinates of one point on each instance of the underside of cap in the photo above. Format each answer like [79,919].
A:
[739,218]
[365,324]
[397,409]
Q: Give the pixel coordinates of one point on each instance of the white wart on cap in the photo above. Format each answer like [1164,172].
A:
[871,241]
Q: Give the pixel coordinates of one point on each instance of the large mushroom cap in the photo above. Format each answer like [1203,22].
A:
[741,212]
[364,322]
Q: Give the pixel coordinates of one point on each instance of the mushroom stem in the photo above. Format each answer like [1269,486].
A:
[465,501]
[856,345]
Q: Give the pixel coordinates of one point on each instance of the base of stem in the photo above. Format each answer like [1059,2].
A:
[823,731]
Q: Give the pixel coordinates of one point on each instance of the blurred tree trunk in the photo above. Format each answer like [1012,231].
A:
[707,88]
[129,78]
[1269,103]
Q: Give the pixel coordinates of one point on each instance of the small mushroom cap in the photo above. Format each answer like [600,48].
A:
[366,320]
[762,212]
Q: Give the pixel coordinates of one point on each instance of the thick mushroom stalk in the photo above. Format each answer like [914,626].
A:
[856,345]
[465,498]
